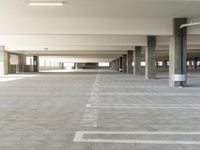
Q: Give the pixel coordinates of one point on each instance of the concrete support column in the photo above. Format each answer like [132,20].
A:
[22,63]
[190,65]
[54,64]
[165,64]
[17,68]
[137,60]
[3,61]
[129,62]
[195,65]
[62,65]
[111,65]
[31,61]
[49,63]
[124,65]
[157,65]
[150,57]
[35,64]
[115,65]
[177,54]
[45,64]
[120,64]
[75,66]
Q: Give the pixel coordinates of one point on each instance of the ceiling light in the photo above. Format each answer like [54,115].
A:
[45,3]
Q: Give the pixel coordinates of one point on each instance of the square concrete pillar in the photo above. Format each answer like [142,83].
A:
[124,65]
[3,61]
[195,65]
[35,64]
[62,65]
[157,65]
[111,65]
[177,54]
[120,64]
[190,64]
[115,64]
[129,62]
[22,63]
[137,60]
[75,66]
[150,57]
[165,64]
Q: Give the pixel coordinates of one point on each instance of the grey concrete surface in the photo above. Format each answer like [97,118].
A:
[44,111]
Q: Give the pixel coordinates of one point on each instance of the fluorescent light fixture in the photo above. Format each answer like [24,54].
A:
[45,3]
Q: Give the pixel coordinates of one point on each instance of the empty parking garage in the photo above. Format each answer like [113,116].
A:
[99,75]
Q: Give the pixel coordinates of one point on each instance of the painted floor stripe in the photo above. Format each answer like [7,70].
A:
[147,94]
[79,138]
[145,106]
[138,132]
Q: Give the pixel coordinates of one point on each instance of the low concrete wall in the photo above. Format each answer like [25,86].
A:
[12,68]
[28,68]
[50,68]
[20,68]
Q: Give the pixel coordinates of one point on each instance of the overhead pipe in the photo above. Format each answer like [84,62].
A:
[189,25]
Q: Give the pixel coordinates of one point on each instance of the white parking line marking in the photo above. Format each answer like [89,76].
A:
[147,94]
[79,138]
[143,106]
[90,116]
[139,132]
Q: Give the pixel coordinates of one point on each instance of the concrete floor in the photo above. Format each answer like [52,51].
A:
[53,111]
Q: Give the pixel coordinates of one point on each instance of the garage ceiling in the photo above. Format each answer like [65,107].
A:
[118,9]
[93,26]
